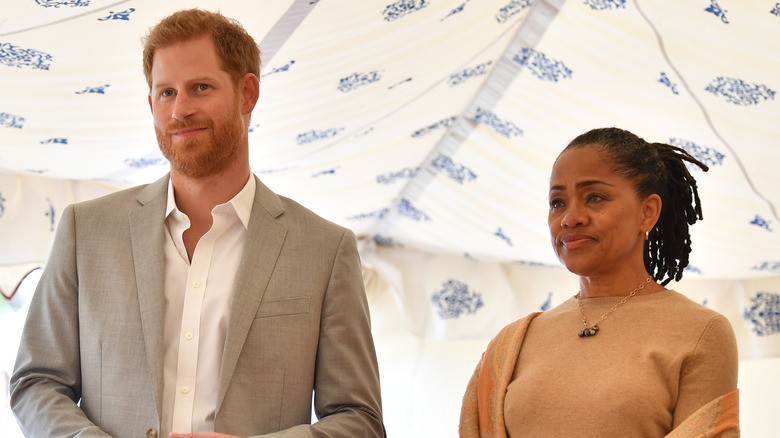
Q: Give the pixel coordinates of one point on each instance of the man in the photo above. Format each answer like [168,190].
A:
[202,303]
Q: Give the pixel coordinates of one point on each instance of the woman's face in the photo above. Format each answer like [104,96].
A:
[597,221]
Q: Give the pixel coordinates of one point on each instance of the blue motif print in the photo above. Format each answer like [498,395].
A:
[668,82]
[502,235]
[254,127]
[402,8]
[456,172]
[761,223]
[386,241]
[399,83]
[378,214]
[356,80]
[391,177]
[2,205]
[124,15]
[58,3]
[324,172]
[139,163]
[541,66]
[455,299]
[94,90]
[55,141]
[768,267]
[281,69]
[311,136]
[513,8]
[469,73]
[764,313]
[715,8]
[11,121]
[15,56]
[503,127]
[693,269]
[405,208]
[51,214]
[600,5]
[444,123]
[739,92]
[707,155]
[547,304]
[776,9]
[456,10]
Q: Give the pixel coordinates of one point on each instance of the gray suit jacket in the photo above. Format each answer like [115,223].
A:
[90,362]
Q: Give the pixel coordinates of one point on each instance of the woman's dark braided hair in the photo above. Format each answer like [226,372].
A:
[656,168]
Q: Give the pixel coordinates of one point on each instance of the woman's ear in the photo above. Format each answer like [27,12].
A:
[651,211]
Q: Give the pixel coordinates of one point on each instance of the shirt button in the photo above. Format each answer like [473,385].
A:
[185,389]
[151,433]
[189,335]
[195,283]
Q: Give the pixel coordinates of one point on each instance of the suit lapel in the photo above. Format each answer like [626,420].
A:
[147,235]
[265,236]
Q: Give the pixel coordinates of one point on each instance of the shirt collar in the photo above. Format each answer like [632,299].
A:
[242,202]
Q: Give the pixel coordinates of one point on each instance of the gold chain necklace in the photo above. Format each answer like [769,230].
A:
[591,331]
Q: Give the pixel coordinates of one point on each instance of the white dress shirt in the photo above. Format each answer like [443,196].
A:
[197,305]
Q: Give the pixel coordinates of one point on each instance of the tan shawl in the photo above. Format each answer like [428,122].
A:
[482,413]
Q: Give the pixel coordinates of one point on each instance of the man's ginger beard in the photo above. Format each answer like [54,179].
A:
[205,155]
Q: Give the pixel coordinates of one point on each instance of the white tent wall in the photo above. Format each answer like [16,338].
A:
[429,127]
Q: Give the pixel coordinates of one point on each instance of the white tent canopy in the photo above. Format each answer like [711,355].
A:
[429,127]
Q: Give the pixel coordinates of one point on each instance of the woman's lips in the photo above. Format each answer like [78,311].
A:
[575,241]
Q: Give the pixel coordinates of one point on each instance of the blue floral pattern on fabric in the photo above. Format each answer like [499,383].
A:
[776,10]
[391,177]
[378,214]
[764,313]
[441,124]
[402,8]
[716,10]
[94,90]
[668,82]
[761,223]
[739,92]
[2,204]
[314,135]
[547,305]
[541,66]
[124,15]
[709,156]
[386,241]
[407,209]
[503,236]
[768,266]
[59,3]
[455,299]
[51,214]
[357,80]
[11,121]
[601,5]
[55,140]
[503,127]
[456,172]
[139,163]
[456,10]
[468,73]
[282,69]
[510,10]
[15,56]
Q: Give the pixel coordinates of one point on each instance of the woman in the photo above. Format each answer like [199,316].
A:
[624,356]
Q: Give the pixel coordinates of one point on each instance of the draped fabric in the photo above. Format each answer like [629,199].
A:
[429,127]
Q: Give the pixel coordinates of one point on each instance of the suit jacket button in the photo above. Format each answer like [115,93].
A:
[151,433]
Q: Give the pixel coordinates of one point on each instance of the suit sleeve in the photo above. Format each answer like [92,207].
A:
[46,383]
[346,386]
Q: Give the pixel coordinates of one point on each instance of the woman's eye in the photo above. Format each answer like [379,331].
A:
[595,198]
[555,203]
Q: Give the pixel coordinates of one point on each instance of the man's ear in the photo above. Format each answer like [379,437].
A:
[249,87]
[151,108]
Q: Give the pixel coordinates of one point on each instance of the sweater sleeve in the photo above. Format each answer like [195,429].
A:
[710,371]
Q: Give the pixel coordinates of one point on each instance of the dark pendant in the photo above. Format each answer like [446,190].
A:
[588,332]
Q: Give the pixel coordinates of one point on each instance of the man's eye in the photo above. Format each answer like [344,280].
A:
[167,93]
[203,87]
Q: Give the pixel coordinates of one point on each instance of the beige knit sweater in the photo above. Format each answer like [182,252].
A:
[654,361]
